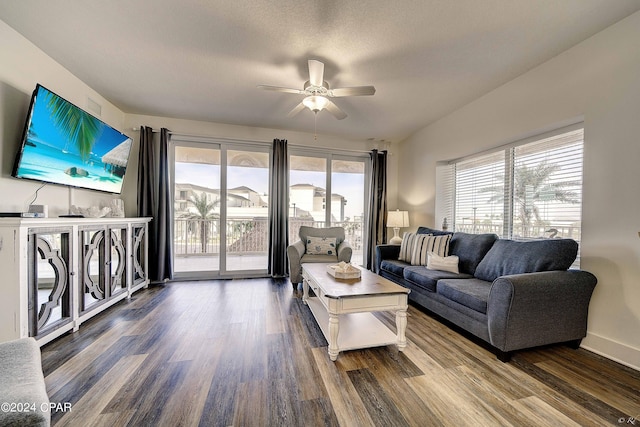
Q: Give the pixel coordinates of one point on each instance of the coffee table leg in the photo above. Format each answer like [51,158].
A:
[334,328]
[305,290]
[401,325]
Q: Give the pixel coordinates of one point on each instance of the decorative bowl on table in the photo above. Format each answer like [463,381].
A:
[343,270]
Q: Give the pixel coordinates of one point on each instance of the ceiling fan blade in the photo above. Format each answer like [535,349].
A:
[337,112]
[352,91]
[316,72]
[281,89]
[296,110]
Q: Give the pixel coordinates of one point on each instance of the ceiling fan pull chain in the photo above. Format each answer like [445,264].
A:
[315,125]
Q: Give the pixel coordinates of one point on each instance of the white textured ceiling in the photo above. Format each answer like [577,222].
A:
[202,60]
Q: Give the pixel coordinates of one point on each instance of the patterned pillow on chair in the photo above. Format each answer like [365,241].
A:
[321,245]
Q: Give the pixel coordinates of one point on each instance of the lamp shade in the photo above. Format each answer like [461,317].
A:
[398,218]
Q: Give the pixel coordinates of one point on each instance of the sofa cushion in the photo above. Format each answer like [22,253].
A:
[508,257]
[393,266]
[318,258]
[472,293]
[471,249]
[428,278]
[425,243]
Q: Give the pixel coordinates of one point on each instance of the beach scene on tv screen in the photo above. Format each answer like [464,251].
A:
[65,145]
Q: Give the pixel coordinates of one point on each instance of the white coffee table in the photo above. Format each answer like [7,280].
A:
[343,308]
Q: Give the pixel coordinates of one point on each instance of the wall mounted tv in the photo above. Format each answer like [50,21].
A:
[62,144]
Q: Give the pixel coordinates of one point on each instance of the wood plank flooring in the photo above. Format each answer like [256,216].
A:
[249,353]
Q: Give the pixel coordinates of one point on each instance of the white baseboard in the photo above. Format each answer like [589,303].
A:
[616,351]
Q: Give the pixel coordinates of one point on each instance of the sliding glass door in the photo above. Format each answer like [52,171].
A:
[247,225]
[196,208]
[328,190]
[220,203]
[348,202]
[220,209]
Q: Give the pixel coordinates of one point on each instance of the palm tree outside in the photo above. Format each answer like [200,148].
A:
[531,186]
[204,214]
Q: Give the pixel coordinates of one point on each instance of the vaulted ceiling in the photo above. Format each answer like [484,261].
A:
[202,60]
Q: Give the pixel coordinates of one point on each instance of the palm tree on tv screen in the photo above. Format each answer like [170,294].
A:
[80,127]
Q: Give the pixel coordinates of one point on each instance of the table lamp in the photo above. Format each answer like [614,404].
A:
[397,219]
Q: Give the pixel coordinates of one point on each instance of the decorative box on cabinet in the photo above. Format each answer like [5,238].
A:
[59,272]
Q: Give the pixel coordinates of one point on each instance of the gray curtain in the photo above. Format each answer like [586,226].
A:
[377,227]
[279,209]
[154,200]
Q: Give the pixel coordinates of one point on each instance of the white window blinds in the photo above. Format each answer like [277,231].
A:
[547,189]
[479,199]
[529,190]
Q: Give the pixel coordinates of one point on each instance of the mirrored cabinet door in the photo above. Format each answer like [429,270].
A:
[93,259]
[118,260]
[139,253]
[49,280]
[104,264]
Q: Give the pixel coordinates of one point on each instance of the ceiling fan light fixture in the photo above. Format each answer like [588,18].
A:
[317,92]
[315,103]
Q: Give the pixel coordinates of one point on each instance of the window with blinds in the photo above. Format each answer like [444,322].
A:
[531,189]
[479,201]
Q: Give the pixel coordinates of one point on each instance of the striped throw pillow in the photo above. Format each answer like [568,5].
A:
[406,247]
[425,243]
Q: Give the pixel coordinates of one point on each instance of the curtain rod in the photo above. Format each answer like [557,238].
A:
[136,129]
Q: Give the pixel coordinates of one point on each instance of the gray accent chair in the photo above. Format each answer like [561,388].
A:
[297,251]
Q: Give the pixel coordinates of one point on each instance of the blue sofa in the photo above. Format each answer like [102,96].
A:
[511,294]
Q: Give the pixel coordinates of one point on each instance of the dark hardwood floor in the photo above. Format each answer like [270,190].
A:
[248,353]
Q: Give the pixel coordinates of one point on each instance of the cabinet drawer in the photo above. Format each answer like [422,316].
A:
[313,286]
[371,302]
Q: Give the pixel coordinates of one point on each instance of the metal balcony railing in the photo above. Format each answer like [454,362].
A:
[520,232]
[202,236]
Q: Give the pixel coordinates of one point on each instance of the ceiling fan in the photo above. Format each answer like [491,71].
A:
[317,92]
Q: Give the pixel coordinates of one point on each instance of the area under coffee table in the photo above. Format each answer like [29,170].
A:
[343,308]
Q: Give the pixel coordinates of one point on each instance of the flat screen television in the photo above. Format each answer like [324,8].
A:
[63,144]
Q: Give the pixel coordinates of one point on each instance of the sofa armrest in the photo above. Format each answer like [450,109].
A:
[385,252]
[533,309]
[294,253]
[344,251]
[22,382]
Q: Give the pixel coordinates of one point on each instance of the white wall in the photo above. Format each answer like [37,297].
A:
[22,65]
[598,80]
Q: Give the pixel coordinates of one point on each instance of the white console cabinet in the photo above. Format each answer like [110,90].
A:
[56,273]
